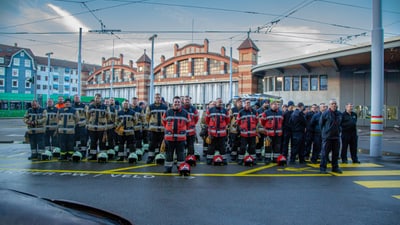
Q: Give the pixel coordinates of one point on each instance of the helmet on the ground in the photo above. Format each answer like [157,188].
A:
[132,158]
[139,154]
[191,160]
[56,152]
[102,157]
[248,160]
[46,155]
[160,158]
[281,160]
[77,156]
[184,169]
[218,160]
[111,153]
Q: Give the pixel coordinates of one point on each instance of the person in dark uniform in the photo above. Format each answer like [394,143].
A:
[298,123]
[287,129]
[349,134]
[330,122]
[316,131]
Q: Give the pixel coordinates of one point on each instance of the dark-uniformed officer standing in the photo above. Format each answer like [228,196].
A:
[349,134]
[330,132]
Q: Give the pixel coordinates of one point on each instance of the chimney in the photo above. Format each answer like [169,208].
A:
[121,59]
[130,63]
[15,44]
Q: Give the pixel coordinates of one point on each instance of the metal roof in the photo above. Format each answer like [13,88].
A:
[337,58]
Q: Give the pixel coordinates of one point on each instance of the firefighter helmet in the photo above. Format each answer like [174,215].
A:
[191,160]
[218,160]
[56,152]
[102,157]
[248,160]
[76,156]
[160,158]
[139,154]
[281,160]
[111,153]
[184,169]
[132,158]
[46,155]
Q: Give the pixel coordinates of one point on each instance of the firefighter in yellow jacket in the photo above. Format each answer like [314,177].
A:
[35,118]
[97,115]
[126,120]
[67,118]
[154,114]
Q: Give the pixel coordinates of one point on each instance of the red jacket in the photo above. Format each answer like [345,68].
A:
[194,118]
[217,120]
[176,123]
[247,120]
[272,122]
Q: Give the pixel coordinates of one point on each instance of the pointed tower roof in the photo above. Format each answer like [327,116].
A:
[144,59]
[248,43]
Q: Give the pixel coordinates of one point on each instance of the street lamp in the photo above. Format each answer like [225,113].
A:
[48,74]
[152,69]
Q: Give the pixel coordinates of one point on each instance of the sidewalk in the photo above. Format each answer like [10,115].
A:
[390,142]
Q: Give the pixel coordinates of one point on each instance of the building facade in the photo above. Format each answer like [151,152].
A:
[17,69]
[343,74]
[193,70]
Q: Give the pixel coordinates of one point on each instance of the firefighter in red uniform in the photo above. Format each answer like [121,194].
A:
[272,121]
[217,120]
[176,122]
[194,118]
[247,120]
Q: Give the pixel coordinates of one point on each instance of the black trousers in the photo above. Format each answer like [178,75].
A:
[349,140]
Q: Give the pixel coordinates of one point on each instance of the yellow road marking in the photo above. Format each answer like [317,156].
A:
[379,183]
[396,196]
[349,165]
[256,169]
[130,168]
[369,173]
[163,174]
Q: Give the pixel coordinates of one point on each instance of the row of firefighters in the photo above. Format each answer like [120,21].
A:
[90,129]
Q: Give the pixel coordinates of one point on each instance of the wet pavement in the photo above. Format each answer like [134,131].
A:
[232,194]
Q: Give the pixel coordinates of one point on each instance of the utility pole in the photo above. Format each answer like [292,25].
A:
[152,69]
[79,61]
[377,77]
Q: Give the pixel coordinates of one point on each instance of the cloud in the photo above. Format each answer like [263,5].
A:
[69,21]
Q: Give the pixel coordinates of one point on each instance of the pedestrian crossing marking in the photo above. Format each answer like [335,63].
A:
[396,196]
[350,165]
[379,183]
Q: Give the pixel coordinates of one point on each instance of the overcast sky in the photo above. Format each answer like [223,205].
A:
[281,29]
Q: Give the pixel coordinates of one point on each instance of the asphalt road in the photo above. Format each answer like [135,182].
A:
[366,193]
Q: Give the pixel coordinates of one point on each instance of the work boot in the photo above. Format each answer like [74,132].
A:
[150,160]
[33,156]
[168,169]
